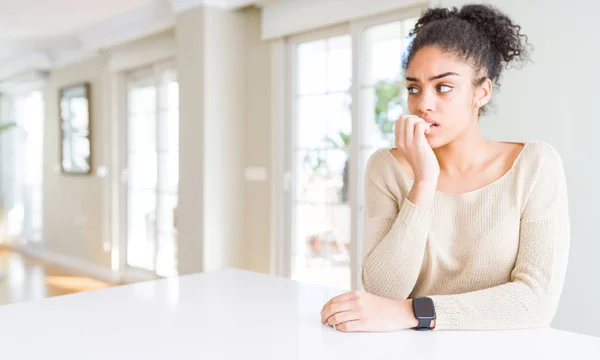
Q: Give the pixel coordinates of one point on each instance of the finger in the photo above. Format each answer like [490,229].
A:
[420,130]
[399,132]
[342,317]
[344,297]
[409,128]
[352,326]
[400,129]
[335,308]
[340,299]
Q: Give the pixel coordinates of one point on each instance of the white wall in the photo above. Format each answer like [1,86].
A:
[75,206]
[212,48]
[554,100]
[190,68]
[225,143]
[257,207]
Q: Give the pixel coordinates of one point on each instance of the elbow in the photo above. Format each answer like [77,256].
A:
[545,312]
[541,319]
[538,300]
[541,311]
[382,283]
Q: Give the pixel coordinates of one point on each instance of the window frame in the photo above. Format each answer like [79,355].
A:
[285,66]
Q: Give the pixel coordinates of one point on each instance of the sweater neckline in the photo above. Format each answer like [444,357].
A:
[409,180]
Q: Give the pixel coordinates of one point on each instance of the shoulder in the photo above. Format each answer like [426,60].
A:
[543,172]
[539,155]
[384,171]
[379,163]
[546,185]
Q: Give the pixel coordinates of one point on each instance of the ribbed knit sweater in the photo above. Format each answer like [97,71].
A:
[492,258]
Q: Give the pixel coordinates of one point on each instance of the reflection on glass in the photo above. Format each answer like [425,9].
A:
[22,165]
[142,170]
[339,120]
[312,68]
[321,253]
[75,128]
[311,122]
[339,64]
[141,221]
[321,176]
[166,257]
[169,177]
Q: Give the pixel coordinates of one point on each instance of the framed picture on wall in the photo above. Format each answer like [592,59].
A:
[75,124]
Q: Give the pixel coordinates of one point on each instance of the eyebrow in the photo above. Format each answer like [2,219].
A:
[434,77]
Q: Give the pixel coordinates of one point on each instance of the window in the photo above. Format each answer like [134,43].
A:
[347,92]
[323,126]
[22,165]
[152,169]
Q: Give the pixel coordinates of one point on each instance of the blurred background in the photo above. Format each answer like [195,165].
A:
[151,138]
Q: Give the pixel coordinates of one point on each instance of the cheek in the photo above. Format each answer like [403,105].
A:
[456,105]
[412,103]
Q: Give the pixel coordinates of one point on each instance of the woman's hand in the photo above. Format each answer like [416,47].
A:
[361,311]
[412,143]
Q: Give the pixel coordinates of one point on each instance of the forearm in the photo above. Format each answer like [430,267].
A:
[391,268]
[505,307]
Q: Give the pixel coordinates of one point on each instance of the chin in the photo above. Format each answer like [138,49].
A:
[434,142]
[437,142]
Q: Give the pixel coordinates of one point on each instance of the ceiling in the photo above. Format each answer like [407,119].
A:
[27,25]
[45,33]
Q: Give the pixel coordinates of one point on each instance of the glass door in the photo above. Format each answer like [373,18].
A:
[152,169]
[322,128]
[22,166]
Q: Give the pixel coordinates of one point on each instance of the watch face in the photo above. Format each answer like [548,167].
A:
[424,308]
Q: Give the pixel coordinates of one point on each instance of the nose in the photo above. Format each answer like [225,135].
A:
[426,102]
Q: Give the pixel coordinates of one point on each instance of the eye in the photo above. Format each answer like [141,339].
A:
[444,88]
[412,90]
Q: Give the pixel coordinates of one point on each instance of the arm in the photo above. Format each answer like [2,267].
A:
[531,297]
[394,236]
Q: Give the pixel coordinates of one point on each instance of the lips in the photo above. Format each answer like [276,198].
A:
[432,123]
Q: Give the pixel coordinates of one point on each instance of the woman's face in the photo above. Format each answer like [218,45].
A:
[441,91]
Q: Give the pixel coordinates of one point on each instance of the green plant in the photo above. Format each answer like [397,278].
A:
[4,127]
[388,96]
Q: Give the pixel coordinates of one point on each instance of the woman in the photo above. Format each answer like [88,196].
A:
[460,233]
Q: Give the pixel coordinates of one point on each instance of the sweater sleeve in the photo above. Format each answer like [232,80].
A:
[394,237]
[531,297]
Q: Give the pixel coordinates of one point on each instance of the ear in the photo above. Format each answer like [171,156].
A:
[483,93]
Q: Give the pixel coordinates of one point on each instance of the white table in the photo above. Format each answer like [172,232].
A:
[234,314]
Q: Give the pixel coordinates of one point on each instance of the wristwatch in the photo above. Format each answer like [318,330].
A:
[424,311]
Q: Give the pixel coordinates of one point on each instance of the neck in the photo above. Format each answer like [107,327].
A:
[463,153]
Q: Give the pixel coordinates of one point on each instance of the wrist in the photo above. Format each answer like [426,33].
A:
[422,193]
[425,183]
[408,318]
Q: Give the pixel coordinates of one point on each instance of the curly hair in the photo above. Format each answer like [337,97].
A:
[480,34]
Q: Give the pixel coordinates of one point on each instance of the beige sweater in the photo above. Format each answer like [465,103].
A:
[493,258]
